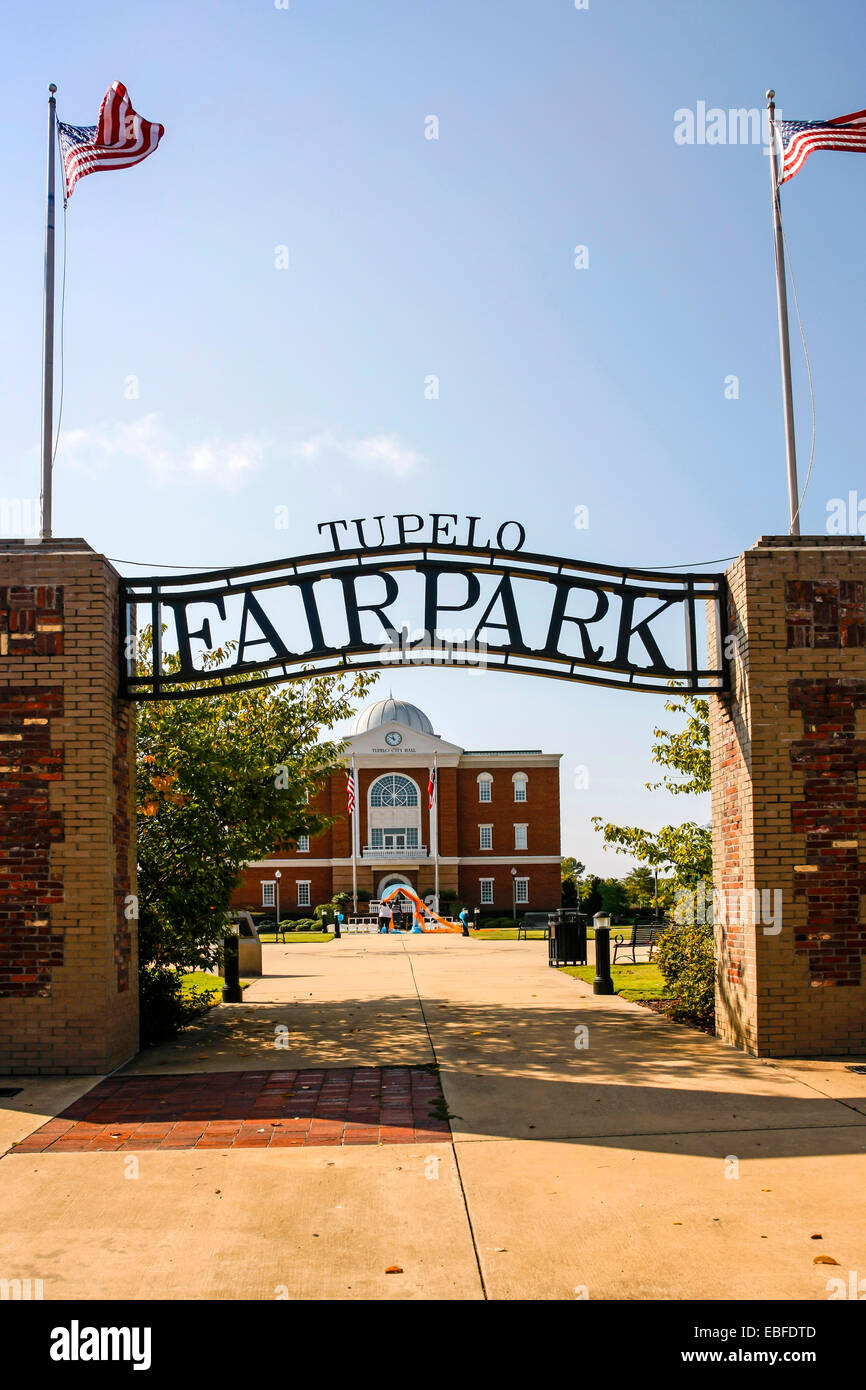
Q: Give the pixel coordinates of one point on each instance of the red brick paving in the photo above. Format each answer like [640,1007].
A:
[250,1110]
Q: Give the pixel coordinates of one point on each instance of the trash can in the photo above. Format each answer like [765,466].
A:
[567,943]
[249,946]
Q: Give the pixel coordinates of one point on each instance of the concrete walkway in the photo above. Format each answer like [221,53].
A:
[597,1151]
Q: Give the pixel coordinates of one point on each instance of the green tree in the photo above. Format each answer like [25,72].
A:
[640,886]
[590,895]
[614,896]
[687,848]
[572,869]
[223,780]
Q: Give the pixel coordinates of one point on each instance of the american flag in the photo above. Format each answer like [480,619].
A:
[431,788]
[120,139]
[350,793]
[800,138]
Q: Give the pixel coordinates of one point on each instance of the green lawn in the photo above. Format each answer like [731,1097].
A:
[631,981]
[201,980]
[503,934]
[269,937]
[510,934]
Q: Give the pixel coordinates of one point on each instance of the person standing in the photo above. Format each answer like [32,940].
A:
[463,917]
[385,917]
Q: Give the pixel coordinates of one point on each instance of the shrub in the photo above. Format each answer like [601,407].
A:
[165,1008]
[344,897]
[686,958]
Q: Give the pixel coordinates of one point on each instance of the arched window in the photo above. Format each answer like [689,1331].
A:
[393,790]
[485,786]
[520,781]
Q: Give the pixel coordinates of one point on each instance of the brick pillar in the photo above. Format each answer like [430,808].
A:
[787,749]
[68,962]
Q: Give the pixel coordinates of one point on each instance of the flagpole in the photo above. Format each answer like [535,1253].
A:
[354,827]
[434,827]
[48,325]
[784,340]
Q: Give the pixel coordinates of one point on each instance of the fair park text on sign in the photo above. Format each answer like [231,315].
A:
[453,599]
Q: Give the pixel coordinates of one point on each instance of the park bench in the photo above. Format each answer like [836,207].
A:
[533,921]
[643,933]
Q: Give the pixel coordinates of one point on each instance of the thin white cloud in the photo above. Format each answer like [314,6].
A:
[145,443]
[381,453]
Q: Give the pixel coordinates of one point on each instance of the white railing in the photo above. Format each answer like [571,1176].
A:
[413,852]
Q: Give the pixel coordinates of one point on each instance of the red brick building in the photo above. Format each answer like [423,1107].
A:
[494,811]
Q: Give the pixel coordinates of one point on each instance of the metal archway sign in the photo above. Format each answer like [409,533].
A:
[385,606]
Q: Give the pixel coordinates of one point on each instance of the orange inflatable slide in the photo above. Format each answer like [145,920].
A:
[425,918]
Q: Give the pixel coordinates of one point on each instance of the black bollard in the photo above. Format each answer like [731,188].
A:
[336,928]
[603,983]
[476,918]
[232,992]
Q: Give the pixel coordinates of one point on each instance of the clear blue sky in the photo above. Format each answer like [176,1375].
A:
[408,257]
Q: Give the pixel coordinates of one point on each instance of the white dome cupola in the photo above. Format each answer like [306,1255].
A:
[391,711]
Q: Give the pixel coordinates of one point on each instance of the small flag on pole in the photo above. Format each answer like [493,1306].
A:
[120,139]
[800,138]
[350,793]
[431,788]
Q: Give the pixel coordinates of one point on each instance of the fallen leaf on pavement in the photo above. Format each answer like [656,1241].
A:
[824,1260]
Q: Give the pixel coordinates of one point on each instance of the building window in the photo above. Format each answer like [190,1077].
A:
[394,837]
[485,833]
[303,844]
[520,780]
[303,892]
[520,837]
[521,890]
[486,891]
[485,785]
[393,791]
[268,892]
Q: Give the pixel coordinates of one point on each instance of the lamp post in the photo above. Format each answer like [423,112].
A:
[514,895]
[277,876]
[602,984]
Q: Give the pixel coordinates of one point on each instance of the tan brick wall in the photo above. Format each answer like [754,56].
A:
[787,812]
[84,1015]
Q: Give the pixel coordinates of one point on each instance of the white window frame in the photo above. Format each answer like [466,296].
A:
[269,883]
[521,783]
[304,883]
[485,784]
[303,844]
[482,888]
[521,891]
[481,830]
[518,827]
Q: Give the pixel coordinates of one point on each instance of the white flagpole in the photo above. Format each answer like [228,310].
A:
[48,326]
[784,340]
[434,827]
[354,826]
